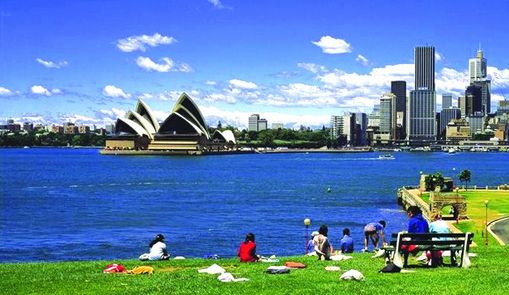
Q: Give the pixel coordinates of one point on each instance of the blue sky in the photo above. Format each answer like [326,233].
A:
[296,62]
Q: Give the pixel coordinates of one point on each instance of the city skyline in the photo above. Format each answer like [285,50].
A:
[234,59]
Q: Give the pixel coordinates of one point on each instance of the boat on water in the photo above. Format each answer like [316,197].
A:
[452,151]
[26,147]
[386,157]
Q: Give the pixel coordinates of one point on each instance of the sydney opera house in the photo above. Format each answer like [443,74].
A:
[183,132]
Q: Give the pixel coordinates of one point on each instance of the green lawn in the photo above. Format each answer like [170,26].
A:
[488,275]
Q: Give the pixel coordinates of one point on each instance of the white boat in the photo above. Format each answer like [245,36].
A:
[386,157]
[452,151]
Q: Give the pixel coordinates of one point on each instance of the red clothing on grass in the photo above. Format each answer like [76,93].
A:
[247,252]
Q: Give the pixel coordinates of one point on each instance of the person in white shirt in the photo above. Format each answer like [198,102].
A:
[157,250]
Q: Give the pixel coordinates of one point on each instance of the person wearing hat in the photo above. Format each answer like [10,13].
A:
[157,250]
[310,248]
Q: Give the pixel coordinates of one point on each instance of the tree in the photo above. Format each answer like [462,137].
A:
[465,176]
[433,181]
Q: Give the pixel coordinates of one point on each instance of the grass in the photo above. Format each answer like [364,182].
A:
[486,275]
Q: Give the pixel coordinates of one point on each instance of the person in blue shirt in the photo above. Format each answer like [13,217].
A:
[310,248]
[374,231]
[416,223]
[346,243]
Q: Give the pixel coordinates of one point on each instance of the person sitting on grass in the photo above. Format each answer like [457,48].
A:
[346,243]
[323,248]
[373,231]
[310,248]
[247,249]
[157,250]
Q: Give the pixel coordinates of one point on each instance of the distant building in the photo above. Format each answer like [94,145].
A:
[83,129]
[388,115]
[446,115]
[253,122]
[336,126]
[70,128]
[57,129]
[398,88]
[446,101]
[262,124]
[13,127]
[477,69]
[361,122]
[473,97]
[458,130]
[476,123]
[422,123]
[503,107]
[374,117]
[27,126]
[422,116]
[278,126]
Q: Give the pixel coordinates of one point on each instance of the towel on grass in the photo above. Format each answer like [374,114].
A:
[352,275]
[332,268]
[228,277]
[214,269]
[278,269]
[340,257]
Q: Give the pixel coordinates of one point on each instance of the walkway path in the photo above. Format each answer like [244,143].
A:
[500,229]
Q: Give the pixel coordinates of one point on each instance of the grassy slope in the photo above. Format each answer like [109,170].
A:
[487,275]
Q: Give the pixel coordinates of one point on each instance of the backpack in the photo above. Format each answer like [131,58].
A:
[114,268]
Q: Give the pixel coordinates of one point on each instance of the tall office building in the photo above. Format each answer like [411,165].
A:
[422,122]
[446,101]
[253,122]
[446,115]
[262,124]
[361,122]
[374,117]
[398,88]
[477,69]
[425,68]
[473,97]
[388,115]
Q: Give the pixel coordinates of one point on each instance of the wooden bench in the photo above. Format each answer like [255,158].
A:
[430,242]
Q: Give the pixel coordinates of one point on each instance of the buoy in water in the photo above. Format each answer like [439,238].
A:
[329,189]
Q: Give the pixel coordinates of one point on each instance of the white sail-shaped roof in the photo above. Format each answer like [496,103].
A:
[134,126]
[228,136]
[143,122]
[144,110]
[179,125]
[192,112]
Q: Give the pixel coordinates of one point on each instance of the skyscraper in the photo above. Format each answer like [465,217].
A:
[425,68]
[446,115]
[422,123]
[446,101]
[253,122]
[388,115]
[477,69]
[398,88]
[336,126]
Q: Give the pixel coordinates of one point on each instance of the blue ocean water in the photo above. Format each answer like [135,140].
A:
[75,204]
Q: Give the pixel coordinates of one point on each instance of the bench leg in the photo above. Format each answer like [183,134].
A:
[453,258]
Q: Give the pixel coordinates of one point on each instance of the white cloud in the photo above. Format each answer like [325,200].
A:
[134,43]
[41,90]
[210,83]
[51,64]
[438,56]
[240,84]
[216,3]
[362,60]
[149,65]
[5,92]
[311,67]
[113,91]
[166,65]
[332,45]
[499,77]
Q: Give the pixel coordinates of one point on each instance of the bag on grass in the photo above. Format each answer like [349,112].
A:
[139,270]
[114,268]
[390,268]
[278,269]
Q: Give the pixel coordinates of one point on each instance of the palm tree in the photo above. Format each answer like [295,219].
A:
[465,176]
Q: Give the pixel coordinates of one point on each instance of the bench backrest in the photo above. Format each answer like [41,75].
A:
[432,239]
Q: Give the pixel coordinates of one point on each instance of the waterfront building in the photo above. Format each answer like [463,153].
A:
[336,126]
[476,123]
[183,131]
[27,126]
[262,124]
[253,122]
[374,117]
[458,130]
[422,116]
[446,115]
[503,107]
[446,101]
[422,123]
[71,129]
[388,103]
[278,126]
[398,88]
[57,129]
[84,129]
[477,69]
[361,125]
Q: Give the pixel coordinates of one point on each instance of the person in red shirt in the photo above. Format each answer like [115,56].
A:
[247,249]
